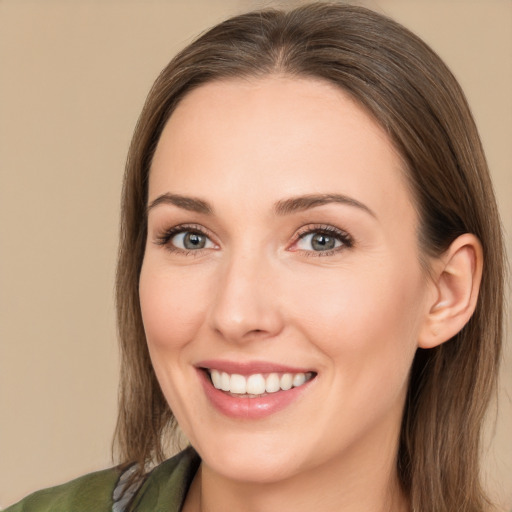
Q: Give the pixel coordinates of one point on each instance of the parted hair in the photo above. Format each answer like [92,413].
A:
[411,93]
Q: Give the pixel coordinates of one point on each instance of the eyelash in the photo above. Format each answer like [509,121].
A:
[346,240]
[165,237]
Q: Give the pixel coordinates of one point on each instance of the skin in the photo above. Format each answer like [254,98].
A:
[257,292]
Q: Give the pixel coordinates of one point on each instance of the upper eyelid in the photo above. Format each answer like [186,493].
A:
[326,228]
[193,227]
[163,236]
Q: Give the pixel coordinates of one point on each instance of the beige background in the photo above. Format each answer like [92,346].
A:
[73,77]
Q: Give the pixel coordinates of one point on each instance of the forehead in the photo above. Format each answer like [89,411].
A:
[268,137]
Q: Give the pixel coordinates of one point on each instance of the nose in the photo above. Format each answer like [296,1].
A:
[246,302]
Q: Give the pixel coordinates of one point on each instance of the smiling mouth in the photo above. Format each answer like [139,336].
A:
[258,384]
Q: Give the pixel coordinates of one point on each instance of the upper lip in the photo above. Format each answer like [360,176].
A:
[249,367]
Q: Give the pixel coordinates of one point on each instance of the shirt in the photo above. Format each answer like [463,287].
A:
[164,489]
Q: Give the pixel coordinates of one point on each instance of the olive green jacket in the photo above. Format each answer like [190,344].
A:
[163,490]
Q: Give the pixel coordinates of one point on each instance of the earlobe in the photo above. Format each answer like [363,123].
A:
[456,279]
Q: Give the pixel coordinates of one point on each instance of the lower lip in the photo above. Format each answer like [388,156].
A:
[250,408]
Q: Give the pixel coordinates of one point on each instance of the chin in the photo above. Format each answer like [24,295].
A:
[256,459]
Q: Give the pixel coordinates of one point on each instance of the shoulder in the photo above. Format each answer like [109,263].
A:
[89,492]
[166,485]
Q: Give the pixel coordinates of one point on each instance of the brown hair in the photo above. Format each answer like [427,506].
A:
[408,89]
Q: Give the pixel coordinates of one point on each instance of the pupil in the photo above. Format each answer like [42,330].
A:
[194,241]
[321,242]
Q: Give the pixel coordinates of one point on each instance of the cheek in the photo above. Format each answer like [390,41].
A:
[364,317]
[366,325]
[170,305]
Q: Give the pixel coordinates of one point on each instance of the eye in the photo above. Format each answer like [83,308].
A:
[185,239]
[324,240]
[318,242]
[191,240]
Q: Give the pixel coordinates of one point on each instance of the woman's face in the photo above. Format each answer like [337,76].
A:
[282,251]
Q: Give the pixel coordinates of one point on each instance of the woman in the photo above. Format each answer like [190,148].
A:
[310,277]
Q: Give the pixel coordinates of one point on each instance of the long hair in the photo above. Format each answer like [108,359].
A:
[411,93]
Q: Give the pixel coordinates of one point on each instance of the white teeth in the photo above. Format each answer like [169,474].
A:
[216,378]
[257,384]
[272,383]
[224,381]
[298,379]
[287,381]
[238,384]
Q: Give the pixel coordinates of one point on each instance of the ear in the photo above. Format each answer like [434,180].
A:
[456,277]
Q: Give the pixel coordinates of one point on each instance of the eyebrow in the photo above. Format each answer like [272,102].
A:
[192,204]
[301,203]
[282,207]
